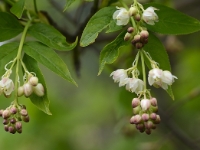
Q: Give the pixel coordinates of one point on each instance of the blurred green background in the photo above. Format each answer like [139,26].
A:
[95,115]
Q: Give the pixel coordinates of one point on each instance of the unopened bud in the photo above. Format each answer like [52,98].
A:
[135,119]
[33,81]
[12,120]
[13,110]
[138,45]
[153,101]
[39,90]
[11,129]
[127,36]
[153,116]
[145,117]
[24,112]
[20,91]
[157,121]
[18,125]
[19,131]
[26,118]
[130,30]
[140,126]
[148,131]
[135,102]
[145,104]
[137,17]
[144,34]
[6,114]
[28,89]
[149,124]
[136,38]
[132,11]
[5,121]
[6,128]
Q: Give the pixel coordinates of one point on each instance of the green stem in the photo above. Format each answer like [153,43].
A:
[18,58]
[35,6]
[123,4]
[143,72]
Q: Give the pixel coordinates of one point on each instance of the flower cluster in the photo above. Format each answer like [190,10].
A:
[122,15]
[133,84]
[31,86]
[145,117]
[12,117]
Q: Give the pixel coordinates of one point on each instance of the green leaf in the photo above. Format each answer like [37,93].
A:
[41,102]
[113,27]
[8,48]
[172,21]
[158,54]
[7,53]
[68,3]
[18,8]
[9,26]
[99,21]
[48,58]
[111,51]
[50,37]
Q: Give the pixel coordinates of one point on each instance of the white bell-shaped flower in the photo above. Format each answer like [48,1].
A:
[149,16]
[119,76]
[134,85]
[160,78]
[7,86]
[168,78]
[122,16]
[145,104]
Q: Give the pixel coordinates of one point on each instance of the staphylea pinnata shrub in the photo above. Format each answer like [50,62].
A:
[136,24]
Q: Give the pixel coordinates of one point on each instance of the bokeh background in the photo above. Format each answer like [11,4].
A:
[95,115]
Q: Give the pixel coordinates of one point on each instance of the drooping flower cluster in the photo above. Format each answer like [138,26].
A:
[122,15]
[12,117]
[133,84]
[145,117]
[15,113]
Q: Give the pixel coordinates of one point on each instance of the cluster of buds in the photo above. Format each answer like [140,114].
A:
[12,117]
[138,40]
[145,117]
[31,86]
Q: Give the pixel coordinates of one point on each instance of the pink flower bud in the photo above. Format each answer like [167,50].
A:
[6,114]
[33,81]
[153,101]
[135,102]
[28,89]
[157,121]
[145,117]
[153,116]
[145,104]
[135,119]
[39,90]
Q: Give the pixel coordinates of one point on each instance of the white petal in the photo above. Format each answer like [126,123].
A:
[115,14]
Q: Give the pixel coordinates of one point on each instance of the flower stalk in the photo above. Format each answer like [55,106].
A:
[18,59]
